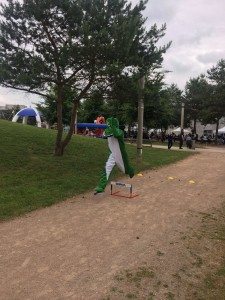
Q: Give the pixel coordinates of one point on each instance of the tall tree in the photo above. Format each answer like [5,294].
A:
[172,98]
[196,91]
[72,43]
[122,99]
[49,106]
[90,108]
[214,105]
[162,104]
[212,112]
[217,76]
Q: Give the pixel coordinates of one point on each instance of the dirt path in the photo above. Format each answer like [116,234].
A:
[105,247]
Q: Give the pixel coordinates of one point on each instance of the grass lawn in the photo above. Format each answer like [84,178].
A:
[32,177]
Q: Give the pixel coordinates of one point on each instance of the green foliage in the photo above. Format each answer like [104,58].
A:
[215,103]
[32,177]
[217,74]
[83,45]
[73,42]
[49,106]
[162,105]
[205,101]
[205,96]
[197,90]
[90,108]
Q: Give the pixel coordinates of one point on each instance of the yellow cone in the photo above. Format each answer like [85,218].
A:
[139,174]
[191,181]
[170,178]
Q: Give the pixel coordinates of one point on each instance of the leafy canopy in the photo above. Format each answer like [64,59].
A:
[69,42]
[76,44]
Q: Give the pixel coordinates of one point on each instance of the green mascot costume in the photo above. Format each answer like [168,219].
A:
[117,156]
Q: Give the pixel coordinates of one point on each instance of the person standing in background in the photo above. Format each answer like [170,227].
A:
[189,141]
[100,120]
[181,139]
[194,136]
[170,140]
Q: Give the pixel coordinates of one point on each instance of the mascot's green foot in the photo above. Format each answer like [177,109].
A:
[99,193]
[99,190]
[131,175]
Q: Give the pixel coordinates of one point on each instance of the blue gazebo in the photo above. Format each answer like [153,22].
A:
[25,113]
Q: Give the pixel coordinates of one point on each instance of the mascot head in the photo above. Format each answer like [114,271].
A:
[111,123]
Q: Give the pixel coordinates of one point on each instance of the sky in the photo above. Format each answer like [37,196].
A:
[196,29]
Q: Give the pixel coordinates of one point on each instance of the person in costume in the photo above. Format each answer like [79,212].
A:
[117,156]
[100,120]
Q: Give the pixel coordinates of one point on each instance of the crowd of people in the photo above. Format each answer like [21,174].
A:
[210,139]
[191,139]
[188,139]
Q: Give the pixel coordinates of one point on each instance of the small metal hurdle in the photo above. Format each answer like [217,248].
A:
[129,185]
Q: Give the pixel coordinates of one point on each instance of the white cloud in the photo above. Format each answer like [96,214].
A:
[211,56]
[197,33]
[161,11]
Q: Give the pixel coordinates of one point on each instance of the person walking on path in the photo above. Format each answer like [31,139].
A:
[170,140]
[194,137]
[181,139]
[189,141]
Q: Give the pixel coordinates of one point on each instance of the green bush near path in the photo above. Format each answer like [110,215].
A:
[32,177]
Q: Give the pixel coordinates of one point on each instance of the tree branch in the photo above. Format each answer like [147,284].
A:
[54,54]
[26,90]
[72,75]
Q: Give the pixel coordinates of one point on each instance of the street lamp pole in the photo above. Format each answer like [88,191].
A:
[182,116]
[140,119]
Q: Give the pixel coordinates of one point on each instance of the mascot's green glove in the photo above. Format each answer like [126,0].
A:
[118,155]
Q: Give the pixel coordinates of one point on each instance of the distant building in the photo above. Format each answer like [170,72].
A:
[201,130]
[208,129]
[8,111]
[12,106]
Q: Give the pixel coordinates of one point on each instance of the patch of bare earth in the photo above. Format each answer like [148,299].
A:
[166,243]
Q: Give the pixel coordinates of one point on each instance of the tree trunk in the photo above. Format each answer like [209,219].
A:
[72,123]
[59,150]
[61,144]
[59,147]
[217,128]
[128,131]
